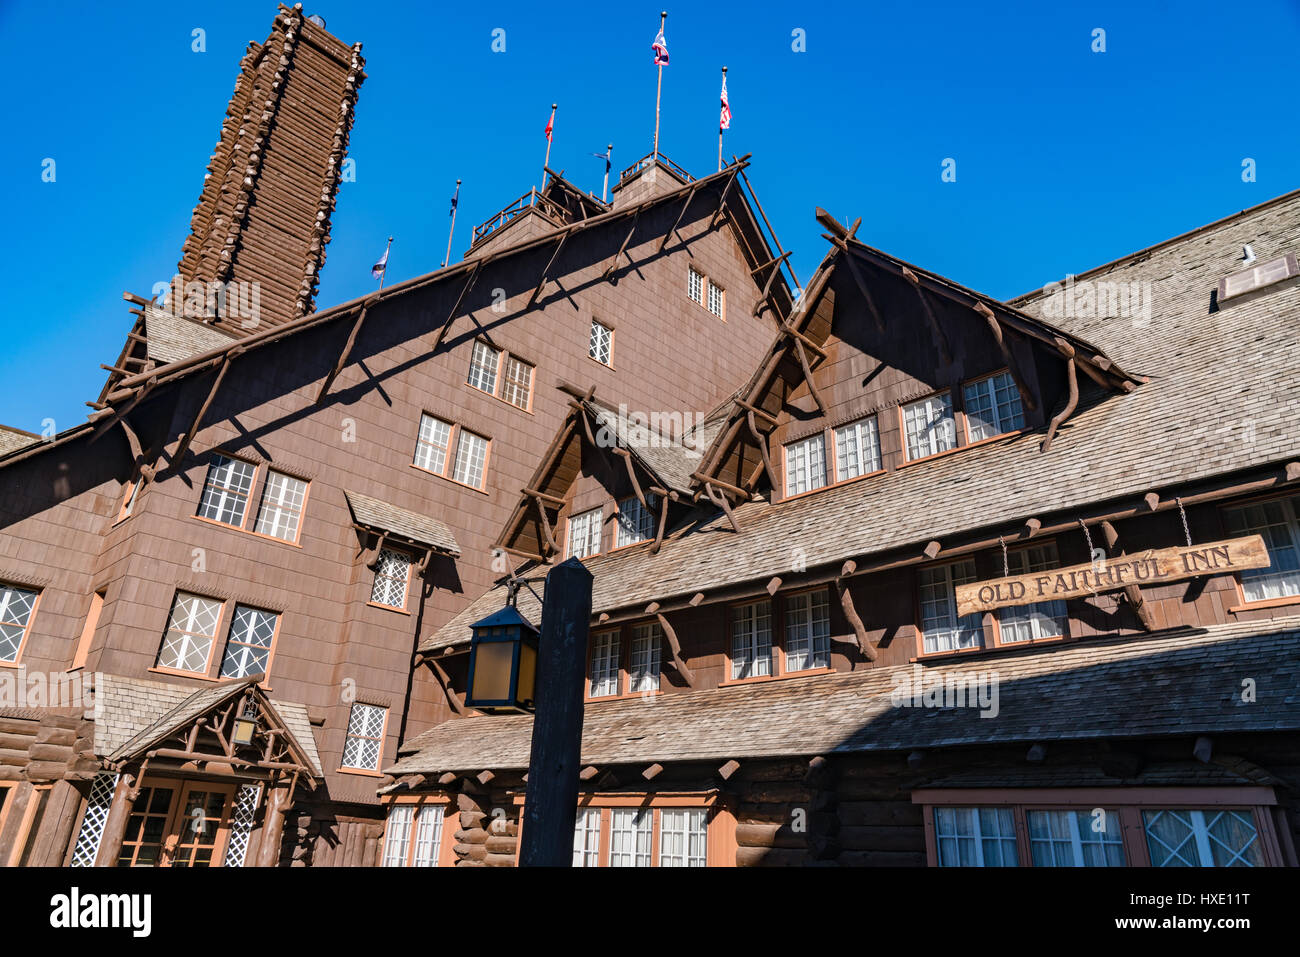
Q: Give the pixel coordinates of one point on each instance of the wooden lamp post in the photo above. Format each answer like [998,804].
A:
[513,667]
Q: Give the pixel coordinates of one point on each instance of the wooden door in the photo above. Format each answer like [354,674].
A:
[178,824]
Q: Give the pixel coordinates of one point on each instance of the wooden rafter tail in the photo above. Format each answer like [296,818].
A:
[626,456]
[690,195]
[613,263]
[722,200]
[764,299]
[855,620]
[663,523]
[674,646]
[941,337]
[1029,399]
[344,354]
[1072,400]
[808,376]
[444,681]
[720,500]
[541,282]
[370,558]
[1132,594]
[583,414]
[451,316]
[544,524]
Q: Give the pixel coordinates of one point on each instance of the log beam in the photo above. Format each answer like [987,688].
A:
[1132,593]
[343,356]
[1072,400]
[1026,396]
[690,194]
[675,646]
[855,621]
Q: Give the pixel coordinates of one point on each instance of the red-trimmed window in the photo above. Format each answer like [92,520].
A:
[641,837]
[363,745]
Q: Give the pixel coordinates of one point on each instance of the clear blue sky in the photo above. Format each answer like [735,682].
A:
[1065,158]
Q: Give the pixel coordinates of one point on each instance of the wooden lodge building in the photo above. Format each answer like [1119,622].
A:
[241,593]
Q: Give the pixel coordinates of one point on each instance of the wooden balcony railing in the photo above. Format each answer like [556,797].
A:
[532,199]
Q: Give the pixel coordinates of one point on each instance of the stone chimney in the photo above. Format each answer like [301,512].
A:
[258,235]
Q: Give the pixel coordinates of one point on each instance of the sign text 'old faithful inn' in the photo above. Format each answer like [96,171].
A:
[1150,567]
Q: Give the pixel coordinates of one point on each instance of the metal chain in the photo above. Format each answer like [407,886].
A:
[1092,555]
[1183,512]
[1006,569]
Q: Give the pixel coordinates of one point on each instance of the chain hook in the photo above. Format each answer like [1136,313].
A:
[1187,532]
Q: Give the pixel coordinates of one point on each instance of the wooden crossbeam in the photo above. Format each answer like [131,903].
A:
[851,615]
[626,456]
[343,356]
[1132,593]
[1026,396]
[764,298]
[541,282]
[808,376]
[675,646]
[444,681]
[941,337]
[613,263]
[766,416]
[690,195]
[761,440]
[545,524]
[188,437]
[451,316]
[722,201]
[663,522]
[720,500]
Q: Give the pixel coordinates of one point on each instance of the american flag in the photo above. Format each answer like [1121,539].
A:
[660,46]
[724,119]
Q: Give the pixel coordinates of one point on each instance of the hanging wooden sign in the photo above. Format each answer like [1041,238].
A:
[1144,568]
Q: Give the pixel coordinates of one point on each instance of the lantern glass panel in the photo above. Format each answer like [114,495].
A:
[492,665]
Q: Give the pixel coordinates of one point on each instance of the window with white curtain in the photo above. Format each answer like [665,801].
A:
[604,664]
[631,831]
[1042,619]
[807,631]
[941,629]
[928,426]
[364,743]
[992,406]
[975,837]
[751,640]
[1075,838]
[1276,520]
[586,838]
[857,449]
[584,533]
[483,362]
[413,835]
[716,299]
[683,837]
[643,658]
[471,456]
[1209,837]
[805,464]
[280,511]
[226,490]
[695,285]
[433,444]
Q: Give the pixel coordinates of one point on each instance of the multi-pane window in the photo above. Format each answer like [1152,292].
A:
[805,464]
[975,837]
[940,626]
[248,649]
[716,299]
[643,658]
[695,285]
[1202,838]
[751,640]
[586,838]
[584,533]
[1075,838]
[641,837]
[16,607]
[407,821]
[928,426]
[517,383]
[433,444]
[636,522]
[631,831]
[365,737]
[992,407]
[602,343]
[807,631]
[392,572]
[483,362]
[857,449]
[1276,521]
[1042,619]
[280,512]
[191,632]
[471,457]
[226,490]
[682,837]
[604,664]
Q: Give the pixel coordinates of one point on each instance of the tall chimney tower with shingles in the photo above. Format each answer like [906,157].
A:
[264,213]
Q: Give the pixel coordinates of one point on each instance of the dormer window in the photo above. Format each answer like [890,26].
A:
[584,534]
[928,426]
[636,522]
[992,407]
[857,449]
[805,464]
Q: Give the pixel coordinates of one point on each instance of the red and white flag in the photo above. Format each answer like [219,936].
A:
[660,46]
[724,118]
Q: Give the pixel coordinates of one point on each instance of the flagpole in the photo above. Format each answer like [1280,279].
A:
[550,126]
[663,16]
[384,275]
[604,190]
[724,86]
[454,201]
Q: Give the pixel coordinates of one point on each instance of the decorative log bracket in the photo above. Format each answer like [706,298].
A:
[855,620]
[1029,399]
[347,351]
[1072,398]
[451,316]
[720,500]
[541,282]
[1132,593]
[690,195]
[188,437]
[674,645]
[613,263]
[941,337]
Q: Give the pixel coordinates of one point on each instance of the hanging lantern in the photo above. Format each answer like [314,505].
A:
[246,723]
[502,662]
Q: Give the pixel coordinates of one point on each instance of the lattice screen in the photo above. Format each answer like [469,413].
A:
[92,825]
[241,824]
